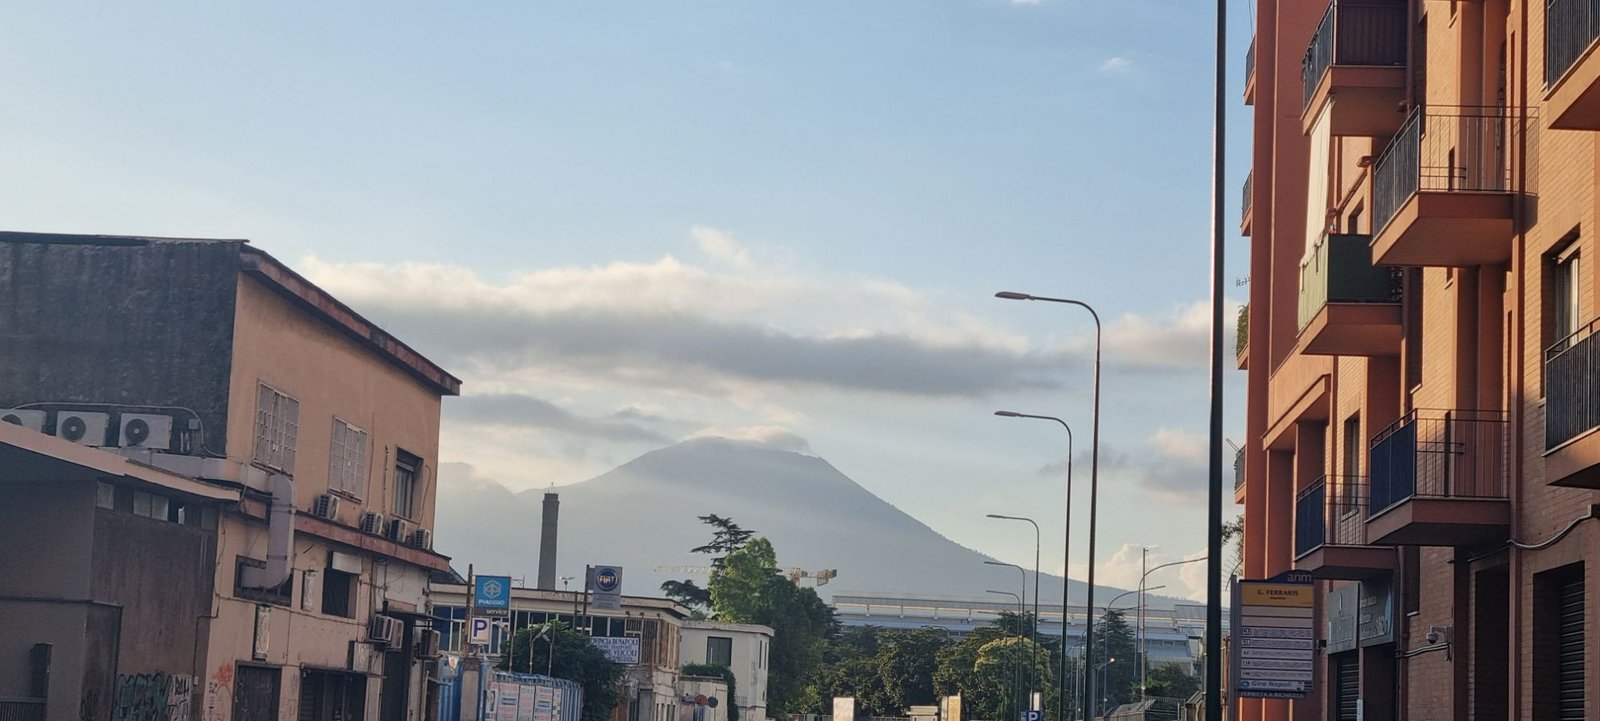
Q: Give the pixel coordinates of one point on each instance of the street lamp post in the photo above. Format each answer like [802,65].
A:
[1033,669]
[1016,676]
[1022,614]
[1066,558]
[1094,461]
[1144,660]
[1101,669]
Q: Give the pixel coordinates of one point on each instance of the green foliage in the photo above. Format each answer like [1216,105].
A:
[1234,531]
[887,671]
[747,588]
[727,538]
[715,670]
[575,659]
[689,594]
[1117,682]
[984,668]
[1171,681]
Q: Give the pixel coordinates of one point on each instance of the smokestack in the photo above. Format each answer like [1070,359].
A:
[547,541]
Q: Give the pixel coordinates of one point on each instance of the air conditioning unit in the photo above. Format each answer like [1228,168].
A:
[397,530]
[143,430]
[385,630]
[325,506]
[83,427]
[427,644]
[421,538]
[372,522]
[31,420]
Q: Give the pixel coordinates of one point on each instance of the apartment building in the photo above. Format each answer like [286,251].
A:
[270,523]
[1423,382]
[741,647]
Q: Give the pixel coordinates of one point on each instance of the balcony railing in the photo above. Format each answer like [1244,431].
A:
[21,709]
[1572,386]
[1331,512]
[1439,454]
[1354,33]
[1339,269]
[1249,188]
[1570,27]
[1238,469]
[1451,149]
[1250,60]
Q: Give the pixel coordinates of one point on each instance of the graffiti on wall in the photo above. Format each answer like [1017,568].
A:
[152,697]
[218,691]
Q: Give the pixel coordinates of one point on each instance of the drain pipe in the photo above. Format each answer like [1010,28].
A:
[280,536]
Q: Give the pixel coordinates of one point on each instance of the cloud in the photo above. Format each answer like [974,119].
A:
[772,437]
[1115,65]
[1124,566]
[523,411]
[1178,469]
[719,245]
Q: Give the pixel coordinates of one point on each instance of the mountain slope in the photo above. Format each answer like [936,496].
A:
[643,515]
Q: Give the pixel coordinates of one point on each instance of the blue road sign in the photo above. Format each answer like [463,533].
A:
[1033,715]
[492,592]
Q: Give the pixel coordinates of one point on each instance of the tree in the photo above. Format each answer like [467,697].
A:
[1116,662]
[746,588]
[1170,680]
[574,659]
[727,538]
[692,596]
[1234,531]
[906,662]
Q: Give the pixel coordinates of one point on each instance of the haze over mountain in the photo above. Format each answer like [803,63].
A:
[643,516]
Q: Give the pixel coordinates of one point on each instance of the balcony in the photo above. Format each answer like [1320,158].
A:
[1250,73]
[1441,191]
[1356,67]
[1572,64]
[1348,306]
[1247,204]
[1238,475]
[1439,479]
[1572,409]
[1330,531]
[1241,338]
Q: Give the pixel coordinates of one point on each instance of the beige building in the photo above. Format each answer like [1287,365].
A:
[743,648]
[210,360]
[1423,418]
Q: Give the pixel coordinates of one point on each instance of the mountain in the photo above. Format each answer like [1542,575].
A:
[643,515]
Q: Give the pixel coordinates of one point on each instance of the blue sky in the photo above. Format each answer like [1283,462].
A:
[624,223]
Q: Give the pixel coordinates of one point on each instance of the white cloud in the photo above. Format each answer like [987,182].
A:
[1115,65]
[1123,567]
[719,245]
[773,437]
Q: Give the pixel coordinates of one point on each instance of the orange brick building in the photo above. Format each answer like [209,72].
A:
[1424,385]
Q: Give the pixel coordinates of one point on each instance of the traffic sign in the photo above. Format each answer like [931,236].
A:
[492,594]
[1033,715]
[479,634]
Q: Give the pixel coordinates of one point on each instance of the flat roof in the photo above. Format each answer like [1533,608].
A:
[28,456]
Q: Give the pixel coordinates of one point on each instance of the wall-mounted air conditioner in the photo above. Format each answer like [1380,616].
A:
[31,420]
[325,506]
[427,644]
[421,538]
[372,522]
[83,427]
[145,430]
[385,630]
[397,530]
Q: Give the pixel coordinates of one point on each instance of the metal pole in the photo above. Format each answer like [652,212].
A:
[1144,554]
[1034,669]
[1094,443]
[1213,687]
[1066,559]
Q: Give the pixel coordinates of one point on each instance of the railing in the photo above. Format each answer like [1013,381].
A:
[1452,149]
[1570,27]
[1241,332]
[1250,61]
[1354,33]
[21,709]
[1572,386]
[1339,269]
[1331,512]
[1238,469]
[1439,454]
[1249,189]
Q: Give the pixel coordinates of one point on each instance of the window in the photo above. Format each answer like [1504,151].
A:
[406,469]
[347,464]
[150,505]
[1353,225]
[277,425]
[105,496]
[281,595]
[338,588]
[1353,450]
[719,651]
[1563,274]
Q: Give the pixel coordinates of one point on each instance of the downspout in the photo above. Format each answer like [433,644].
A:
[280,536]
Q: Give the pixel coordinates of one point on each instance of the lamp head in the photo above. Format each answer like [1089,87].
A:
[1012,295]
[1008,414]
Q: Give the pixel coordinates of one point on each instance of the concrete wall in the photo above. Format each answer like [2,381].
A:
[44,587]
[751,644]
[120,324]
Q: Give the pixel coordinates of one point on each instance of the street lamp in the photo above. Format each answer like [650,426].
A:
[1016,678]
[1094,463]
[1101,669]
[1034,668]
[1022,614]
[1144,660]
[1066,558]
[550,665]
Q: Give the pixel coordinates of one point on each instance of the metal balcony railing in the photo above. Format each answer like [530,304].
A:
[1331,512]
[1572,386]
[1354,33]
[21,709]
[1238,469]
[1249,189]
[1250,60]
[1449,148]
[1570,27]
[1439,454]
[1339,269]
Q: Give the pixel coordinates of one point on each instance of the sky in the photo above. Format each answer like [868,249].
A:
[623,224]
